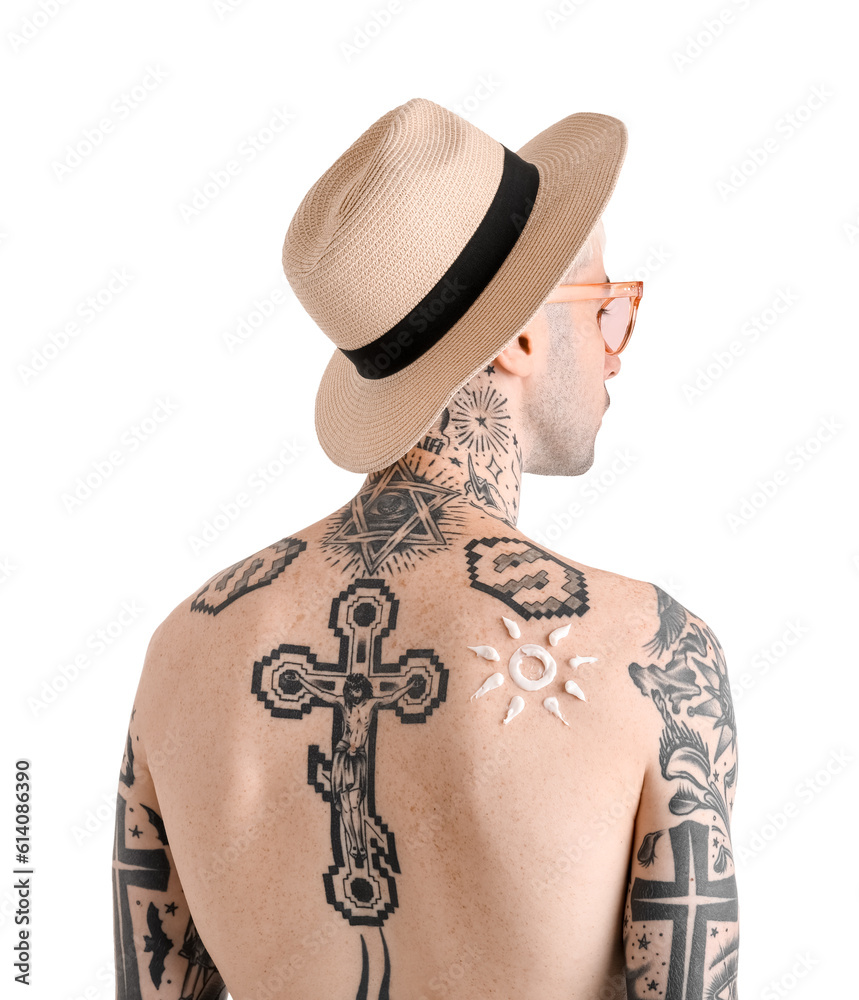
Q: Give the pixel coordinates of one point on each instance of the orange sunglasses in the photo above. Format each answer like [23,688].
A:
[617,312]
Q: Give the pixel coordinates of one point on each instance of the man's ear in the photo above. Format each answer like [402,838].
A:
[519,357]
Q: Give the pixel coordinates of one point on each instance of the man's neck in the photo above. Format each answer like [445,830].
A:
[470,460]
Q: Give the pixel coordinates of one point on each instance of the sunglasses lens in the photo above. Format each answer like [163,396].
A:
[614,319]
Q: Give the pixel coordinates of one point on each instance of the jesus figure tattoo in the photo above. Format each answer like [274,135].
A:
[349,758]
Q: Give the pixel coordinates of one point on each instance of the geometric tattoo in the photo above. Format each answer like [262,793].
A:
[544,587]
[291,683]
[239,579]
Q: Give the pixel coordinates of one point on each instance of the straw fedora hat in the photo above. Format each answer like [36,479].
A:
[422,252]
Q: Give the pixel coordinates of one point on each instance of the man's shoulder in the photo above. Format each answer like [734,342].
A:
[626,594]
[491,548]
[223,588]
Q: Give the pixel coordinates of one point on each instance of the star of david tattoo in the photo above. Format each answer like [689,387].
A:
[394,519]
[249,574]
[534,583]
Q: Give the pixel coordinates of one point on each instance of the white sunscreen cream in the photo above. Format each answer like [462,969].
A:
[558,634]
[517,703]
[572,688]
[512,628]
[487,652]
[496,680]
[550,668]
[552,705]
[576,660]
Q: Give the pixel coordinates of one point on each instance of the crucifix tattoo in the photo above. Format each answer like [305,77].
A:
[291,682]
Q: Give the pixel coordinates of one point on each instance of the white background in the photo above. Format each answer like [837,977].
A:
[684,508]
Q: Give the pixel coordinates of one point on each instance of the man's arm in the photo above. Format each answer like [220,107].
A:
[681,921]
[329,697]
[416,684]
[158,952]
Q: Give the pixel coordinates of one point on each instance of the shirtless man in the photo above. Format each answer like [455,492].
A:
[540,808]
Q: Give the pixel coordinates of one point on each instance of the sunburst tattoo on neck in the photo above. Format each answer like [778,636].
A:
[481,419]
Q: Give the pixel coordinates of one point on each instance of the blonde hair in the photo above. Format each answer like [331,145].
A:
[557,315]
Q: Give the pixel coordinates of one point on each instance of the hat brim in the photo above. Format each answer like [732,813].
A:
[364,425]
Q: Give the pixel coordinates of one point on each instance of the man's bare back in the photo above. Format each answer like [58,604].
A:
[341,815]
